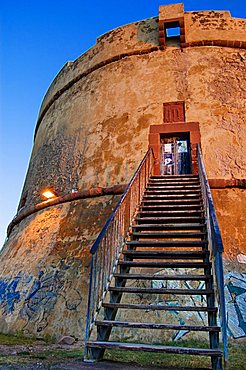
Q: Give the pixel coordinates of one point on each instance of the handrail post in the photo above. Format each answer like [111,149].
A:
[88,314]
[216,247]
[219,262]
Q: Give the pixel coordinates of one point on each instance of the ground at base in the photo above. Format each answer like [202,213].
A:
[19,353]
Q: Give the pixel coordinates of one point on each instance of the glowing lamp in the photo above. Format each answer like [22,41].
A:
[48,194]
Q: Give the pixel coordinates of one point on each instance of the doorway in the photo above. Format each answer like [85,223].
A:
[175,155]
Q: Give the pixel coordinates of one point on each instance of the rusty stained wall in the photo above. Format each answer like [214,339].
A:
[230,207]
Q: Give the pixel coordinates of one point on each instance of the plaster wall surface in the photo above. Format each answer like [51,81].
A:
[214,25]
[230,206]
[45,269]
[96,132]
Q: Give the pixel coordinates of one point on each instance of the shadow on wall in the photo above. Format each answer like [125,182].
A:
[148,31]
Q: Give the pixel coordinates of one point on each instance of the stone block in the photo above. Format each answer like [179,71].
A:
[172,11]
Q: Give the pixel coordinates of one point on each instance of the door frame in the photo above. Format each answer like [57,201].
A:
[156,131]
[176,156]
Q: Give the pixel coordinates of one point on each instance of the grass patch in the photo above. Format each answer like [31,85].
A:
[18,339]
[237,357]
[49,357]
[158,359]
[58,354]
[13,360]
[49,339]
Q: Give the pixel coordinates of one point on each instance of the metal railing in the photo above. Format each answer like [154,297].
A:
[107,248]
[216,248]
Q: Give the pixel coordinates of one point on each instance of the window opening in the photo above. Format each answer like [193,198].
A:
[172,33]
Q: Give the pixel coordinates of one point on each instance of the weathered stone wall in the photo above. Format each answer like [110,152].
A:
[93,131]
[97,131]
[230,208]
[213,25]
[45,268]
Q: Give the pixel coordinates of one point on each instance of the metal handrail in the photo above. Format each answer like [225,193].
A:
[106,249]
[216,247]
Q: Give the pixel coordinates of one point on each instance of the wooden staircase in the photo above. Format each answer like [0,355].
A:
[167,243]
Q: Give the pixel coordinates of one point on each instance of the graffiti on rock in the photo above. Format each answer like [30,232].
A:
[188,300]
[9,294]
[235,292]
[235,295]
[42,298]
[39,294]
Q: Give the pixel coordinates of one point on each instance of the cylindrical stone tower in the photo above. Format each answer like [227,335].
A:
[136,86]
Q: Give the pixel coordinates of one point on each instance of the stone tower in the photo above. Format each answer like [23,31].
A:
[135,88]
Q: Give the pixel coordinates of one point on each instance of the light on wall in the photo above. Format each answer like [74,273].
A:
[48,194]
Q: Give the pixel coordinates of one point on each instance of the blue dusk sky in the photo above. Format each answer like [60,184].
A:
[37,39]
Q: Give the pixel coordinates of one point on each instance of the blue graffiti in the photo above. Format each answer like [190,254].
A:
[9,295]
[190,300]
[236,307]
[36,286]
[43,295]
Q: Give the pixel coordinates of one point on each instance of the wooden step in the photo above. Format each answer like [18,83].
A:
[169,235]
[171,202]
[169,219]
[173,255]
[184,176]
[159,307]
[170,213]
[170,190]
[170,207]
[171,196]
[174,191]
[195,185]
[173,181]
[171,199]
[187,277]
[156,201]
[162,264]
[155,348]
[151,325]
[165,185]
[166,243]
[171,187]
[181,197]
[167,227]
[161,291]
